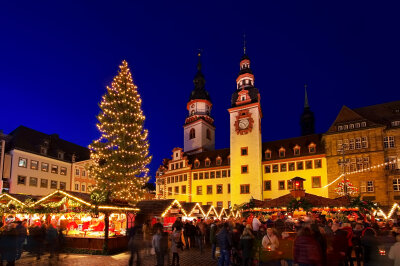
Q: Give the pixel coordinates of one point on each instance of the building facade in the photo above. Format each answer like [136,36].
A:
[250,168]
[37,163]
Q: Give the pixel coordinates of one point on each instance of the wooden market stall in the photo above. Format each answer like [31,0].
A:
[211,212]
[86,225]
[166,211]
[15,207]
[193,210]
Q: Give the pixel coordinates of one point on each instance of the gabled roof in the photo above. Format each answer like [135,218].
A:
[289,144]
[374,115]
[30,140]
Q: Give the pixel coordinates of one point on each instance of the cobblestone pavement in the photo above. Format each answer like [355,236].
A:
[187,258]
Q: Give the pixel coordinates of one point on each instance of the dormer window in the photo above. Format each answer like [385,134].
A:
[351,126]
[43,150]
[296,150]
[267,154]
[243,98]
[311,148]
[207,162]
[340,128]
[282,152]
[363,124]
[196,164]
[218,161]
[60,155]
[345,127]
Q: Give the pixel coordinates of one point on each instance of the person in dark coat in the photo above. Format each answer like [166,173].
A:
[370,243]
[22,234]
[135,243]
[246,246]
[321,239]
[192,234]
[306,249]
[213,239]
[224,240]
[52,240]
[10,243]
[186,229]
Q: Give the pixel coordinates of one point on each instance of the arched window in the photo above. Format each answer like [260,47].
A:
[282,152]
[192,133]
[196,164]
[296,150]
[218,161]
[207,162]
[208,133]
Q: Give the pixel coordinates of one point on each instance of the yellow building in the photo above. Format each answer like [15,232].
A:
[252,169]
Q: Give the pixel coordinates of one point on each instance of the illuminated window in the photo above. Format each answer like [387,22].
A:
[200,175]
[60,155]
[363,124]
[370,186]
[291,167]
[267,185]
[196,164]
[316,181]
[212,174]
[34,165]
[176,179]
[63,171]
[357,125]
[219,204]
[54,169]
[245,189]
[224,173]
[83,187]
[209,189]
[219,189]
[351,126]
[77,187]
[275,168]
[183,188]
[283,167]
[83,173]
[206,175]
[192,133]
[244,169]
[267,154]
[267,169]
[309,164]
[340,128]
[63,185]
[207,162]
[23,162]
[218,174]
[176,190]
[199,190]
[218,161]
[209,203]
[43,150]
[185,177]
[243,151]
[180,178]
[170,191]
[364,142]
[281,185]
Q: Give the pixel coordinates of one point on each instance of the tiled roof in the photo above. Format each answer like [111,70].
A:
[212,155]
[289,144]
[30,140]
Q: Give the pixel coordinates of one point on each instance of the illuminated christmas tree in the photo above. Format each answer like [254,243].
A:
[346,185]
[121,154]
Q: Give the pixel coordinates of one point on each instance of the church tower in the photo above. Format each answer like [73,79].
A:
[245,133]
[307,120]
[199,130]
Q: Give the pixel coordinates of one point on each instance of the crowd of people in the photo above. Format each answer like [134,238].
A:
[256,240]
[17,236]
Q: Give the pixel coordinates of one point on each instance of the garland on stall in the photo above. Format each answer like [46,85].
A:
[302,203]
[364,206]
[11,207]
[65,205]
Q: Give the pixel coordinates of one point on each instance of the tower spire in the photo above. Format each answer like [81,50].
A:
[244,43]
[306,105]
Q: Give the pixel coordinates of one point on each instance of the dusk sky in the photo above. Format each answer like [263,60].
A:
[57,57]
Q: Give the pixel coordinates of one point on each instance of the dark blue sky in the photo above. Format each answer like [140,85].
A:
[57,58]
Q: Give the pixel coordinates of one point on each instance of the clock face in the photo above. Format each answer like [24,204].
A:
[244,123]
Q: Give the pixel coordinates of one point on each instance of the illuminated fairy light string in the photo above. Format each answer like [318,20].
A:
[363,170]
[12,198]
[121,154]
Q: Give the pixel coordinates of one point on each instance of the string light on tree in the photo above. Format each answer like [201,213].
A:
[121,154]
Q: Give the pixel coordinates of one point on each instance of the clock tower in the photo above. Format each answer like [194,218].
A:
[245,137]
[199,129]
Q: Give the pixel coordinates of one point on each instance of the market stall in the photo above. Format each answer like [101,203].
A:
[14,207]
[193,210]
[166,211]
[86,226]
[211,212]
